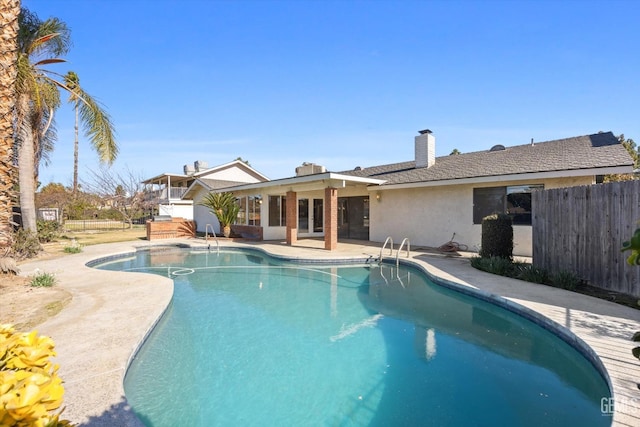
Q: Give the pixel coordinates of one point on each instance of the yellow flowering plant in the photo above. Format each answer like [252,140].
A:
[30,389]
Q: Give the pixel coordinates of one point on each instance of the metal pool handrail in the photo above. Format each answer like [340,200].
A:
[408,242]
[389,240]
[206,235]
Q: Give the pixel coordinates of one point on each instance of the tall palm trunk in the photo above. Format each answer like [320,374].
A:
[9,12]
[26,162]
[75,153]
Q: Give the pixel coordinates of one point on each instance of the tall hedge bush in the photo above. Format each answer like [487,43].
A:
[497,236]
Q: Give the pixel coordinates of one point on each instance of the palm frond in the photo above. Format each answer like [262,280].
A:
[47,38]
[97,125]
[53,38]
[50,61]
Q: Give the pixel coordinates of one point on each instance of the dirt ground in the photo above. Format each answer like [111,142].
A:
[26,307]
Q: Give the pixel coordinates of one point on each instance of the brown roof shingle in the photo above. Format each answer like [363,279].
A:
[599,150]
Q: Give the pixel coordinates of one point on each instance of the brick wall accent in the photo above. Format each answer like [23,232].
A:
[330,218]
[292,217]
[253,232]
[177,227]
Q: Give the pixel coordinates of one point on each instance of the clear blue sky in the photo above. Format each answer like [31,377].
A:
[342,83]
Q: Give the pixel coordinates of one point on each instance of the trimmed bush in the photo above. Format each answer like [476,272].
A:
[497,236]
[493,265]
[565,280]
[43,280]
[25,244]
[529,273]
[48,231]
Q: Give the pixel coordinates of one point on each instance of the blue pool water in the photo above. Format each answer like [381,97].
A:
[250,340]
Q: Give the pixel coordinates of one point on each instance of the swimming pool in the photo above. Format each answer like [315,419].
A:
[252,340]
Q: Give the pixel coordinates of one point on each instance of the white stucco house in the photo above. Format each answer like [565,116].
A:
[425,199]
[174,193]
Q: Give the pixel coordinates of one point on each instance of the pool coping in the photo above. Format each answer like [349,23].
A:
[88,411]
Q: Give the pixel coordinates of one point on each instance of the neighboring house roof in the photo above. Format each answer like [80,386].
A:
[163,177]
[235,163]
[208,185]
[597,151]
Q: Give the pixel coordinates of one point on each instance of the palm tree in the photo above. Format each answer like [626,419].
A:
[40,43]
[97,124]
[9,12]
[224,207]
[37,99]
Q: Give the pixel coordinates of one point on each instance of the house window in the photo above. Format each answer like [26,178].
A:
[249,213]
[515,201]
[253,206]
[242,213]
[318,212]
[277,211]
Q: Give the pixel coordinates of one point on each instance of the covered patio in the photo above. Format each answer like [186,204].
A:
[326,188]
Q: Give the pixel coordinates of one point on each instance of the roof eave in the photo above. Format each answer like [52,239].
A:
[512,177]
[228,165]
[163,175]
[328,178]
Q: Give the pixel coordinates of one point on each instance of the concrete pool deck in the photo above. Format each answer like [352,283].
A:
[111,312]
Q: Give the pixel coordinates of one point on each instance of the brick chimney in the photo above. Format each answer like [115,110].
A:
[425,149]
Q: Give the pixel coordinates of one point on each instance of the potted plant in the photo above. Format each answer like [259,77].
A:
[224,207]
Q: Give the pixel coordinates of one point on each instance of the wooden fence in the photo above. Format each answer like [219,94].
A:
[581,230]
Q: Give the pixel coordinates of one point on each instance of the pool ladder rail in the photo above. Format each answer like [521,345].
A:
[206,236]
[390,241]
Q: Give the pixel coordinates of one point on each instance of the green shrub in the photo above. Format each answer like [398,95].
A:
[43,280]
[72,249]
[109,214]
[48,231]
[529,273]
[494,265]
[25,244]
[565,280]
[497,236]
[633,245]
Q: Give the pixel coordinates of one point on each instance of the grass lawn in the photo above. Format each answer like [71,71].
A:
[87,238]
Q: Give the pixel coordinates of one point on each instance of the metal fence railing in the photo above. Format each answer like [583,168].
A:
[100,224]
[94,224]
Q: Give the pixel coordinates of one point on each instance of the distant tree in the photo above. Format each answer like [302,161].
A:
[123,192]
[634,152]
[95,121]
[54,195]
[80,205]
[455,151]
[243,160]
